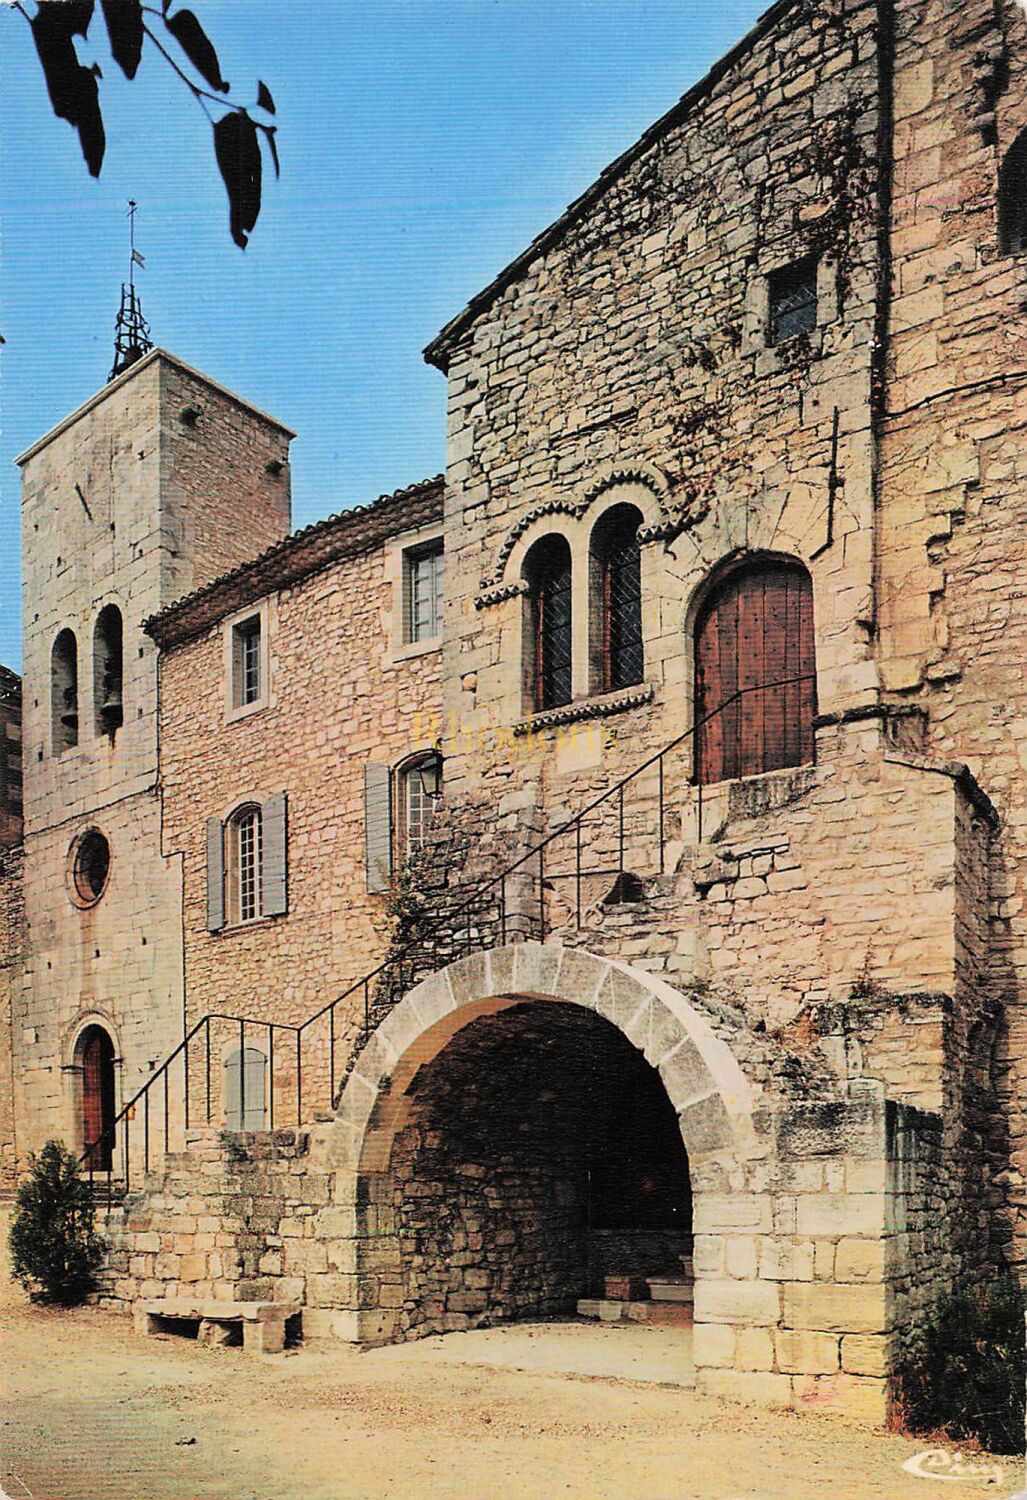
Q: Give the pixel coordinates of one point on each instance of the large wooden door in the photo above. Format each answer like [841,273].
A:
[97,1053]
[755,684]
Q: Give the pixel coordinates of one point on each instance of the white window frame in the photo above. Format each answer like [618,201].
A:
[403,776]
[234,916]
[233,709]
[399,554]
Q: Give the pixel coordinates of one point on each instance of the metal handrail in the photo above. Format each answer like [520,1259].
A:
[481,893]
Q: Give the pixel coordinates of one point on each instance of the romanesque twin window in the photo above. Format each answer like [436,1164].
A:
[614,623]
[108,707]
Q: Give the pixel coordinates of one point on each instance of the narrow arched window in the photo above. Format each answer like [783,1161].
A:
[418,788]
[244,865]
[1012,198]
[618,659]
[64,692]
[107,670]
[755,672]
[547,572]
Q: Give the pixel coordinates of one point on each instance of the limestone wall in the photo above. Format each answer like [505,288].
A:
[953,567]
[129,501]
[343,692]
[12,931]
[628,361]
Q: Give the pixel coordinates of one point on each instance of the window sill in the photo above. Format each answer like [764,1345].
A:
[230,929]
[598,707]
[246,711]
[416,648]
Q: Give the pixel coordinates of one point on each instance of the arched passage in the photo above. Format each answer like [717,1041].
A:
[522,1124]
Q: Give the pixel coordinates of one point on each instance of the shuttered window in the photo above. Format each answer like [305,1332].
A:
[422,590]
[378,825]
[547,571]
[245,1084]
[755,673]
[617,599]
[247,864]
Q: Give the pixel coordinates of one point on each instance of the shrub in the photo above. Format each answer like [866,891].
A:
[54,1252]
[967,1379]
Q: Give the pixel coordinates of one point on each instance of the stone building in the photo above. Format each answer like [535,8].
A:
[606,861]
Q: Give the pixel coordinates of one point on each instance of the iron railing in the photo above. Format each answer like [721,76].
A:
[641,814]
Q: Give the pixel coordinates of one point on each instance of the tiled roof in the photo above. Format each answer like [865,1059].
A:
[298,555]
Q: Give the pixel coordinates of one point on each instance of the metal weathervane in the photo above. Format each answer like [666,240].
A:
[131,330]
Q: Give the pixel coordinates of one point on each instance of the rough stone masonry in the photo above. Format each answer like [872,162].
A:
[767,1017]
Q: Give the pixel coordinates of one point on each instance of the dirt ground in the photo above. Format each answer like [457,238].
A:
[91,1410]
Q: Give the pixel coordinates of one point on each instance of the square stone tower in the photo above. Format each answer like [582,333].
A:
[158,484]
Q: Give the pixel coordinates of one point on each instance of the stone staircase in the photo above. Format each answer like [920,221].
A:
[670,1300]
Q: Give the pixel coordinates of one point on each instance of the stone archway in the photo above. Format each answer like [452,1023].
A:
[703,1082]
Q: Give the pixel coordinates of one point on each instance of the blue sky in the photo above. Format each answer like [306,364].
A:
[423,144]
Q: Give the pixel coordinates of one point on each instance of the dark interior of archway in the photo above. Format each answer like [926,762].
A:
[542,1154]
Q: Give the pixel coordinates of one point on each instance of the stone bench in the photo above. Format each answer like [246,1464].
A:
[262,1323]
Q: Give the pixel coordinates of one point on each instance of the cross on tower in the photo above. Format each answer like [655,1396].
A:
[131,330]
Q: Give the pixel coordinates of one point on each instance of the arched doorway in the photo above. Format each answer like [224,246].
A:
[540,1156]
[755,671]
[95,1057]
[523,1124]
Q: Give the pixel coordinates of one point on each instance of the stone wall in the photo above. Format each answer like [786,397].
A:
[10,759]
[953,567]
[12,933]
[232,1217]
[343,692]
[127,501]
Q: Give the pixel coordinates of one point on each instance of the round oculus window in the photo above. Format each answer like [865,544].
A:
[91,866]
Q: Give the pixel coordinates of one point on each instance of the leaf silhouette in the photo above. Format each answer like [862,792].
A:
[270,131]
[194,42]
[125,28]
[72,88]
[238,155]
[264,98]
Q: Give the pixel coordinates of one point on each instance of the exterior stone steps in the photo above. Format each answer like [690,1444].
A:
[659,1314]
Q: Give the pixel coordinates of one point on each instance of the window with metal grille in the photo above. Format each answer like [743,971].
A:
[547,572]
[245,865]
[1012,198]
[420,784]
[792,300]
[616,567]
[423,585]
[755,666]
[246,664]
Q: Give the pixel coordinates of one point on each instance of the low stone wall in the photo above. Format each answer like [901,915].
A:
[235,1216]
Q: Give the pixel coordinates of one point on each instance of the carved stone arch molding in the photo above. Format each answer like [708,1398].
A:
[649,489]
[703,1079]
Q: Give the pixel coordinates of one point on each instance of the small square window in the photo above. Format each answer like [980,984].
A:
[246,663]
[792,300]
[422,593]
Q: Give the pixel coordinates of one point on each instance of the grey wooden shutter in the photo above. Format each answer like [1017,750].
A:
[275,873]
[215,875]
[378,824]
[407,591]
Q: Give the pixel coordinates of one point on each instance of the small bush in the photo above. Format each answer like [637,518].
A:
[967,1380]
[54,1252]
